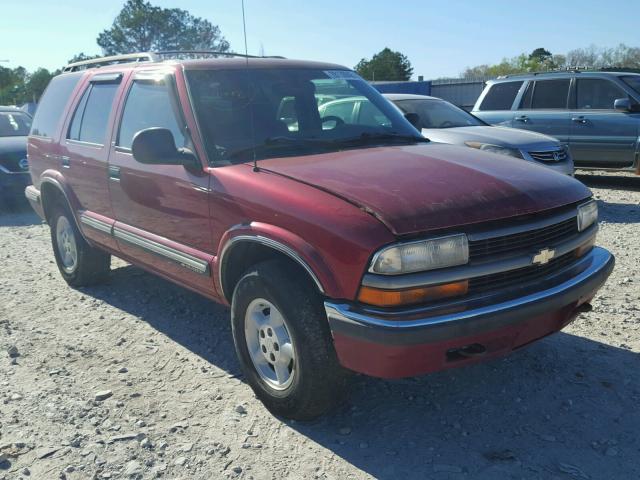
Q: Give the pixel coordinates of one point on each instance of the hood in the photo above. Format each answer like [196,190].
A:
[501,136]
[419,188]
[13,145]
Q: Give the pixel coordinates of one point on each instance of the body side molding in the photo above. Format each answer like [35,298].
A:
[190,262]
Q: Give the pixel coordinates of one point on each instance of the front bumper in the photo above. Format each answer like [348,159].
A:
[385,345]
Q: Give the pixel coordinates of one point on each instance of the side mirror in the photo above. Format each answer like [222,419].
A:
[622,104]
[413,119]
[156,146]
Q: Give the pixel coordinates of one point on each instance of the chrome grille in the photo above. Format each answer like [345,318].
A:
[529,240]
[549,156]
[521,276]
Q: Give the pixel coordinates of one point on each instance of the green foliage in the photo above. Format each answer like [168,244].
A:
[141,27]
[385,65]
[541,59]
[17,86]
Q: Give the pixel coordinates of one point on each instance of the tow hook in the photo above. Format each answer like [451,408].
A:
[468,351]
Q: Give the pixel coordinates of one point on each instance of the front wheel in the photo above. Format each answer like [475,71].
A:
[283,341]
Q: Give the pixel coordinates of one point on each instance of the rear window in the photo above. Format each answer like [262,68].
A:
[90,118]
[501,96]
[550,94]
[51,108]
[14,124]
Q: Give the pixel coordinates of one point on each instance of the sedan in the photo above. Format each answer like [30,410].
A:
[443,122]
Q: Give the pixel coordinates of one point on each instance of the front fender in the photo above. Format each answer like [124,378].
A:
[283,241]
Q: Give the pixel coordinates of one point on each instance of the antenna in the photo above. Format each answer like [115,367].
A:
[246,51]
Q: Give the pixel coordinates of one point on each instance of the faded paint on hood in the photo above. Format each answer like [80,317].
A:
[419,188]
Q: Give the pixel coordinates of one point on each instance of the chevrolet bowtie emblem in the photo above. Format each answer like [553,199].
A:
[543,256]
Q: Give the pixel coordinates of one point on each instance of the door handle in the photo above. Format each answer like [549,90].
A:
[66,161]
[579,120]
[114,173]
[522,118]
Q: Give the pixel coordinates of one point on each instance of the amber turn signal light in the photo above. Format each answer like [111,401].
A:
[585,247]
[410,296]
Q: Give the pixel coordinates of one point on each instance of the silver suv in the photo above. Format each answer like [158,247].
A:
[596,114]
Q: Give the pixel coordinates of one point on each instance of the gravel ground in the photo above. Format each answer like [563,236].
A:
[138,379]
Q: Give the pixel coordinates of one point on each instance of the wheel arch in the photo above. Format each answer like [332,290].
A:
[245,247]
[52,191]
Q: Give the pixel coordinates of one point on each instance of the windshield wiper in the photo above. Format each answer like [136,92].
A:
[367,137]
[278,144]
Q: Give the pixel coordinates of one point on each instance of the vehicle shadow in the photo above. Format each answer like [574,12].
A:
[565,407]
[619,182]
[17,213]
[612,212]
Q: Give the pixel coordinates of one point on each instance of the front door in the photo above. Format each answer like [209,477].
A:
[161,211]
[600,135]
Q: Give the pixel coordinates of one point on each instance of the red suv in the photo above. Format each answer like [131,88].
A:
[342,243]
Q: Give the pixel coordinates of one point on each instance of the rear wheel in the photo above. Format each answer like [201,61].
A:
[283,341]
[79,263]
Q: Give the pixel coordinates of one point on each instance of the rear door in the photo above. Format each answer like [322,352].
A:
[600,135]
[161,211]
[543,108]
[84,153]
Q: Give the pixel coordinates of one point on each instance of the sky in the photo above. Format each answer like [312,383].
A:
[440,38]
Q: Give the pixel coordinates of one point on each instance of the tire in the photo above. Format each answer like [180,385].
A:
[79,263]
[316,381]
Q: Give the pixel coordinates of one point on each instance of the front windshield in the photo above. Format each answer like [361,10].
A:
[14,124]
[633,81]
[283,112]
[438,114]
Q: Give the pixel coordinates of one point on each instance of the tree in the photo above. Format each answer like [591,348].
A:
[540,55]
[141,27]
[385,65]
[81,57]
[36,84]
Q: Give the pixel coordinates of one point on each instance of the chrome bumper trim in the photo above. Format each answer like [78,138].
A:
[600,264]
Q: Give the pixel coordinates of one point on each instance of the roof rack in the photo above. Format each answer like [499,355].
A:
[153,57]
[574,69]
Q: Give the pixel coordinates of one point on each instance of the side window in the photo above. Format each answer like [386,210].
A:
[501,96]
[148,105]
[597,94]
[51,108]
[550,94]
[525,103]
[341,109]
[90,119]
[371,116]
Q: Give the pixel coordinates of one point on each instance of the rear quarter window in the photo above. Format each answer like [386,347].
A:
[51,108]
[500,96]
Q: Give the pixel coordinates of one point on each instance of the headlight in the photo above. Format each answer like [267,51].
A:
[422,255]
[487,147]
[587,215]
